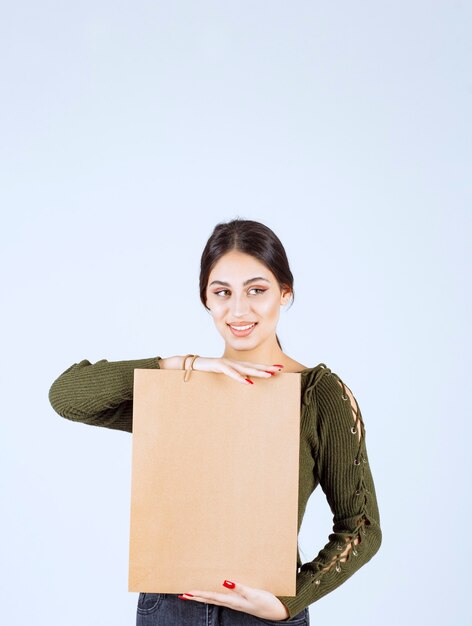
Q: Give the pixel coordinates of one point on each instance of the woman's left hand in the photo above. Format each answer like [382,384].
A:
[256,602]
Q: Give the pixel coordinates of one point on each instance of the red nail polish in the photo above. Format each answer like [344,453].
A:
[182,597]
[271,373]
[229,584]
[249,381]
[278,365]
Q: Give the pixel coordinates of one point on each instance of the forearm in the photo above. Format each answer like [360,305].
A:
[100,394]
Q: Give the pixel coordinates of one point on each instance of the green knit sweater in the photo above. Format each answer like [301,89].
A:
[332,453]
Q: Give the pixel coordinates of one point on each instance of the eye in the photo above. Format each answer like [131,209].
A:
[253,289]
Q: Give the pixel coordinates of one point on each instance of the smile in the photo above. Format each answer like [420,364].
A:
[242,331]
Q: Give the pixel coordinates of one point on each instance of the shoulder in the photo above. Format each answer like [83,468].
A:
[336,400]
[327,382]
[333,383]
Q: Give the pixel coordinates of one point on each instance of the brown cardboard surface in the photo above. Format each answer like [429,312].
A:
[214,482]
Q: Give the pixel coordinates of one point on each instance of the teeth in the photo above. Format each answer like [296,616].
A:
[242,327]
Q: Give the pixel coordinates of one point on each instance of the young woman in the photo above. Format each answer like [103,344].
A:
[244,280]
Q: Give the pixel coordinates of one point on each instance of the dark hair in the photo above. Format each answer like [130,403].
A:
[252,238]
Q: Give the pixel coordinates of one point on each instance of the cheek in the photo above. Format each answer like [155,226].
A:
[268,309]
[217,307]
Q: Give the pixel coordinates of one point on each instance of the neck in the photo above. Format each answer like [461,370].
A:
[267,353]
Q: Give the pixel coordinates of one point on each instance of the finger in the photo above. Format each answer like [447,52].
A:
[241,589]
[260,366]
[211,596]
[264,372]
[260,371]
[251,371]
[237,603]
[232,373]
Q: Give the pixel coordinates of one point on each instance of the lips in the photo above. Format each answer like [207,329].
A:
[242,333]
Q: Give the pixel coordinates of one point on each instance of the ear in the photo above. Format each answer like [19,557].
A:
[285,298]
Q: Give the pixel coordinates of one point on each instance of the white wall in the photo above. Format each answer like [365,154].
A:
[128,130]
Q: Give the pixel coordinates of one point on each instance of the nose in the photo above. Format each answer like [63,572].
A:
[239,307]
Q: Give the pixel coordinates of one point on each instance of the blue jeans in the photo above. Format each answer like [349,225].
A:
[167,609]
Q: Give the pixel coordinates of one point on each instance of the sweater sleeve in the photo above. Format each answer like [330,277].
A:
[100,394]
[342,469]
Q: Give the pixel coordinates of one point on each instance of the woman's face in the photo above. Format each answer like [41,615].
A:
[232,302]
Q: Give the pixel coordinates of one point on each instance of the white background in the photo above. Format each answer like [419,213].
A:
[128,131]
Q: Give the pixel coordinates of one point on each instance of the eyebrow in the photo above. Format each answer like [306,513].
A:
[246,282]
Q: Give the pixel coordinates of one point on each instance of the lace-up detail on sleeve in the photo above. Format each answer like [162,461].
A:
[342,470]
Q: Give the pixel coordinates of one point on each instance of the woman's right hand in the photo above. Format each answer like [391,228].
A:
[239,370]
